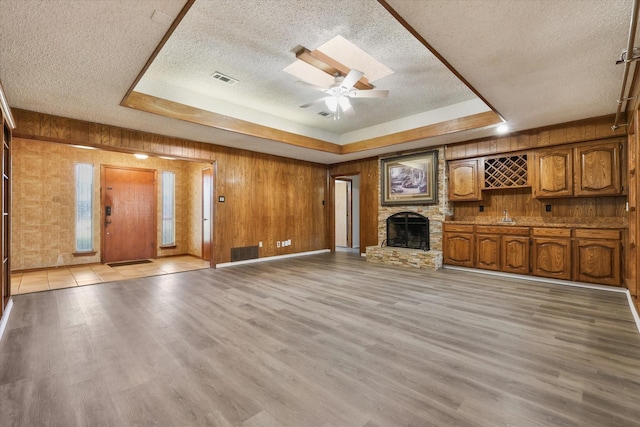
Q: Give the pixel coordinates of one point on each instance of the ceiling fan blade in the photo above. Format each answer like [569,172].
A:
[309,104]
[368,94]
[351,79]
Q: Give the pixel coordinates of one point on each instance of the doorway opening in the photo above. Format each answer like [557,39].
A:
[207,214]
[347,213]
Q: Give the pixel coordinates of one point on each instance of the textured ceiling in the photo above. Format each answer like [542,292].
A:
[255,51]
[536,62]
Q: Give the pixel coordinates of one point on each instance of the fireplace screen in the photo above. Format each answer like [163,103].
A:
[408,230]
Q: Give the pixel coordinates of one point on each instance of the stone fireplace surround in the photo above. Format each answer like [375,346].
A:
[416,258]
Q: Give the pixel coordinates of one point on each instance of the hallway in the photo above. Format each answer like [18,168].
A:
[81,275]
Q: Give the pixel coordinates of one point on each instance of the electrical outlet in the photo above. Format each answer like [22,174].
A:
[278,244]
[260,244]
[481,208]
[547,208]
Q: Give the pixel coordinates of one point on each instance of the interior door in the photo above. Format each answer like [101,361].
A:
[207,205]
[129,211]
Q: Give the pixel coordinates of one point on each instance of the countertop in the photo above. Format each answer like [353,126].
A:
[612,223]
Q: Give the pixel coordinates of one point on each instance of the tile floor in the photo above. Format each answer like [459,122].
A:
[66,277]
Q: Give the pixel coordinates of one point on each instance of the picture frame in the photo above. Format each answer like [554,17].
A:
[410,179]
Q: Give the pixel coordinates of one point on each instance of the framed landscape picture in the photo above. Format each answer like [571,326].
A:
[410,179]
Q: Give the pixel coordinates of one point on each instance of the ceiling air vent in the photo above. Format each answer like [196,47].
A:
[324,114]
[224,78]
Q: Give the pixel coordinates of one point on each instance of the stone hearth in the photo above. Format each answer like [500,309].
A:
[405,257]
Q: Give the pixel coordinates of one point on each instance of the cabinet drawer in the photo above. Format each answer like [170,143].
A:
[458,228]
[551,232]
[586,233]
[504,230]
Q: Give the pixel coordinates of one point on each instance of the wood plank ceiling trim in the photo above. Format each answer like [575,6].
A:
[152,104]
[176,110]
[474,121]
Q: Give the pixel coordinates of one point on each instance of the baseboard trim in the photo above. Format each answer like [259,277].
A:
[271,258]
[632,306]
[5,317]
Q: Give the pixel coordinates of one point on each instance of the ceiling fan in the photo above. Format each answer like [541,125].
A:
[338,95]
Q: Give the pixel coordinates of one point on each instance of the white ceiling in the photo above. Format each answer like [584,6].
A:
[537,62]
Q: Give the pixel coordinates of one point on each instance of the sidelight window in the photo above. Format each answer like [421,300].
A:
[168,208]
[84,207]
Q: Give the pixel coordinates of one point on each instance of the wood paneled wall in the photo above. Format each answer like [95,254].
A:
[267,198]
[519,203]
[565,133]
[369,172]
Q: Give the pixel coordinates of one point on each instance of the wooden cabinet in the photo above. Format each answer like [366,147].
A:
[464,180]
[580,254]
[553,173]
[597,256]
[515,254]
[551,252]
[458,245]
[502,248]
[488,250]
[598,171]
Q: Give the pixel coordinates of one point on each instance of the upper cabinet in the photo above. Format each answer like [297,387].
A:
[598,169]
[553,173]
[464,182]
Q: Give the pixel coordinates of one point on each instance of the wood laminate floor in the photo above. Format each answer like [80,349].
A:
[322,340]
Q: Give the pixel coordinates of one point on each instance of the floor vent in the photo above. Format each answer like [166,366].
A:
[242,254]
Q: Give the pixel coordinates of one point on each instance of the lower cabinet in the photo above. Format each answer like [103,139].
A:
[458,245]
[488,250]
[597,257]
[584,255]
[552,257]
[515,254]
[503,248]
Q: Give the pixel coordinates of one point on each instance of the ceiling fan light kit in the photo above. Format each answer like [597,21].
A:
[338,94]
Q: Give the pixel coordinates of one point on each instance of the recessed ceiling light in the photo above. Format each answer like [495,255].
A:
[140,156]
[503,128]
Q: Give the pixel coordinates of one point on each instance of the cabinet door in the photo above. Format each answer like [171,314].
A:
[597,261]
[553,173]
[464,180]
[598,169]
[515,254]
[459,249]
[488,250]
[552,258]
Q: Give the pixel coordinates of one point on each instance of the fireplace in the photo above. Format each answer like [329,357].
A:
[408,230]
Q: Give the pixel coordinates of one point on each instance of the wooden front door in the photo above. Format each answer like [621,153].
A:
[129,211]
[207,195]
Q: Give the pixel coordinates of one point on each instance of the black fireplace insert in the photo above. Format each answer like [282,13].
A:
[408,230]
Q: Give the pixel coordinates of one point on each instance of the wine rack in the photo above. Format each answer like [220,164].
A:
[506,172]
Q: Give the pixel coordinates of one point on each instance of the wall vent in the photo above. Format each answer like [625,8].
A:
[244,253]
[224,78]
